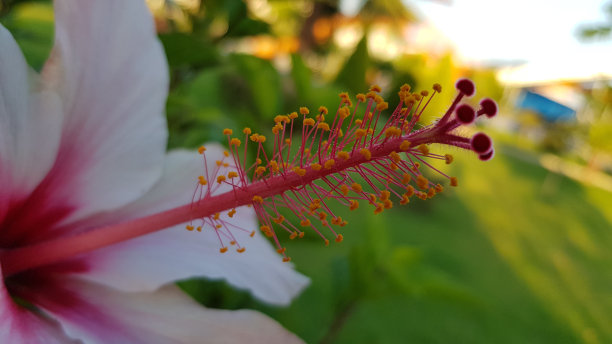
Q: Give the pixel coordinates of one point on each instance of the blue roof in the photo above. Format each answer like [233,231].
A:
[549,109]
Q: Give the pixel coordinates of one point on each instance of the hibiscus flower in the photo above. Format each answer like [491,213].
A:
[82,145]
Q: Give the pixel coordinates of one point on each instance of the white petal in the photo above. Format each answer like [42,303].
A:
[30,123]
[19,325]
[173,254]
[111,73]
[98,314]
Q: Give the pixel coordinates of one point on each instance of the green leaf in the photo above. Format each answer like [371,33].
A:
[187,50]
[353,73]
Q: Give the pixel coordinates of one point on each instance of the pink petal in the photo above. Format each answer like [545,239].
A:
[111,73]
[19,325]
[98,314]
[151,261]
[29,136]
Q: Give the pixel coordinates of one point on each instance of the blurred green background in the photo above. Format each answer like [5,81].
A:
[519,253]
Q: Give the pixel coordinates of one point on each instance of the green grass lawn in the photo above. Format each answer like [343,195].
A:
[514,255]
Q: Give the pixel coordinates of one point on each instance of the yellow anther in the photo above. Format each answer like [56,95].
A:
[279,219]
[422,182]
[344,189]
[231,213]
[227,131]
[339,238]
[286,259]
[379,208]
[448,158]
[439,188]
[273,166]
[216,216]
[218,226]
[260,170]
[431,192]
[375,88]
[416,96]
[323,110]
[287,141]
[370,131]
[309,122]
[393,167]
[336,221]
[305,223]
[232,174]
[392,131]
[281,250]
[340,133]
[276,129]
[361,97]
[226,154]
[453,181]
[406,178]
[246,131]
[372,198]
[382,106]
[304,110]
[343,155]
[388,204]
[404,146]
[293,115]
[220,179]
[353,204]
[384,195]
[301,235]
[324,143]
[359,133]
[356,187]
[424,93]
[225,164]
[423,149]
[293,235]
[416,166]
[281,119]
[223,249]
[405,88]
[409,191]
[395,157]
[344,112]
[329,164]
[323,216]
[358,122]
[324,126]
[437,88]
[252,234]
[320,118]
[219,162]
[202,180]
[199,228]
[326,242]
[240,250]
[405,199]
[365,153]
[189,227]
[257,199]
[265,228]
[254,137]
[202,149]
[315,167]
[235,142]
[258,161]
[261,139]
[299,171]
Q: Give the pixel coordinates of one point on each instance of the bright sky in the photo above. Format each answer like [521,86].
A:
[541,33]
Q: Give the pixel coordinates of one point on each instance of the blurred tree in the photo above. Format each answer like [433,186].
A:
[598,30]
